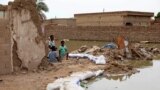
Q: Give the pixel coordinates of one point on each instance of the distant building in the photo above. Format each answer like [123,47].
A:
[3,11]
[61,22]
[119,18]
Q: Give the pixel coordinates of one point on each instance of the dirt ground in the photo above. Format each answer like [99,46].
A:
[38,80]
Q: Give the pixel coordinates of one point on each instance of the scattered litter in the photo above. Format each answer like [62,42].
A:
[110,45]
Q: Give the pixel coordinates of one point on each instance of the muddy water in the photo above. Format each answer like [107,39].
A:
[146,79]
[75,44]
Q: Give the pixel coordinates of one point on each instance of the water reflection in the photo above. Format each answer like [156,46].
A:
[147,79]
[135,63]
[119,77]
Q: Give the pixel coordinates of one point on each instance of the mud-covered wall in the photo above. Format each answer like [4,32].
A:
[6,64]
[27,43]
[134,34]
[21,37]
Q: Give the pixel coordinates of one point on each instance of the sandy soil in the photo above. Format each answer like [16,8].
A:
[38,80]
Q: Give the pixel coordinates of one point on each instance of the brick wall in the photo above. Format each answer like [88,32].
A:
[5,48]
[134,34]
[60,22]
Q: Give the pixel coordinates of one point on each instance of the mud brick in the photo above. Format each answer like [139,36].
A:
[5,52]
[2,40]
[5,65]
[106,33]
[5,46]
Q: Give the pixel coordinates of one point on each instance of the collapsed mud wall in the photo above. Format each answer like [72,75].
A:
[28,47]
[6,63]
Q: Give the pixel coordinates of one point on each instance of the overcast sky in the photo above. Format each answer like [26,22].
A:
[67,8]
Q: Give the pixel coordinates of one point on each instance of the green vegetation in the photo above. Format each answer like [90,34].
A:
[158,15]
[42,7]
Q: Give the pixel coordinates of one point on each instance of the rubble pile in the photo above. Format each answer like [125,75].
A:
[94,50]
[116,58]
[135,52]
[117,68]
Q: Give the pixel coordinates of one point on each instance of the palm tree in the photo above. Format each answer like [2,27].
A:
[42,7]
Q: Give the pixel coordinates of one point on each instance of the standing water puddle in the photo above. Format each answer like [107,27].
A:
[147,79]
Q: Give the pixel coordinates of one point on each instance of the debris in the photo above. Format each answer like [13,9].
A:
[110,46]
[72,82]
[129,52]
[96,59]
[116,68]
[144,42]
[92,50]
[82,49]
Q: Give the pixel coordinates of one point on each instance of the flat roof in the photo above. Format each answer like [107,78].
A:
[61,19]
[3,7]
[124,13]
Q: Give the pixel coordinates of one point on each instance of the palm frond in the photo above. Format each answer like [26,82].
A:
[41,6]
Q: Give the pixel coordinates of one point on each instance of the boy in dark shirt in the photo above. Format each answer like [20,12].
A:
[53,56]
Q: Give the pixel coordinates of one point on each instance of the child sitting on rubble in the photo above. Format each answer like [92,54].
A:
[53,56]
[63,52]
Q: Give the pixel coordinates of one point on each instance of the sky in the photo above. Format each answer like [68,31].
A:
[67,8]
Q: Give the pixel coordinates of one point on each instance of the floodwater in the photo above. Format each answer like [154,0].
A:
[147,79]
[75,44]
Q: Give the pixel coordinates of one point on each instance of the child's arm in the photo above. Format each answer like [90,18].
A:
[57,56]
[67,56]
[66,53]
[60,55]
[48,55]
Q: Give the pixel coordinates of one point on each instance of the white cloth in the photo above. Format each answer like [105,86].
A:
[73,81]
[96,59]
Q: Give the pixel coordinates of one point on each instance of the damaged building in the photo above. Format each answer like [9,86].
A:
[21,42]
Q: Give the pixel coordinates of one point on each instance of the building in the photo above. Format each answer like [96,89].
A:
[61,22]
[3,11]
[119,18]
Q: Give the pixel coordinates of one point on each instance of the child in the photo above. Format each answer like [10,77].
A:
[63,51]
[53,57]
[51,42]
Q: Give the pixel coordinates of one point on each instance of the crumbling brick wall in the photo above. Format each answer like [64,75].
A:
[21,38]
[134,34]
[5,48]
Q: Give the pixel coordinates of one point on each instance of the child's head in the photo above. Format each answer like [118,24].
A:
[62,43]
[53,48]
[51,37]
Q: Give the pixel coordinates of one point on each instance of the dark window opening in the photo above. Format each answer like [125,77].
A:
[129,24]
